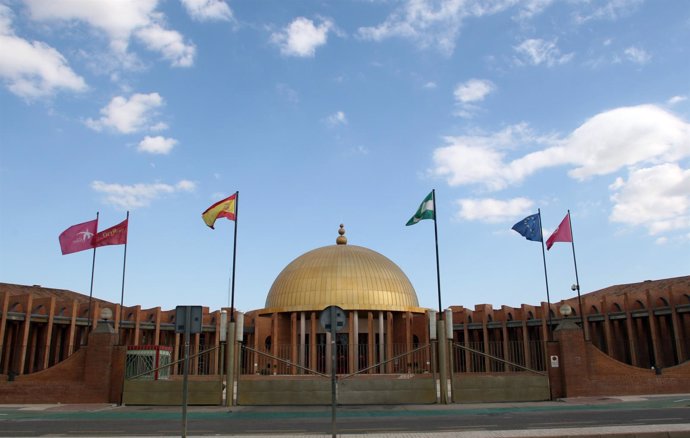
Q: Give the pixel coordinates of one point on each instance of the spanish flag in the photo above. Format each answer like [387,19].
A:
[224,208]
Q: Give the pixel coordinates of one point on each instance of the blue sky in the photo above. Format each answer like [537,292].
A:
[331,112]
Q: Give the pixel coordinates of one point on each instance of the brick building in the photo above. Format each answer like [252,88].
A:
[641,326]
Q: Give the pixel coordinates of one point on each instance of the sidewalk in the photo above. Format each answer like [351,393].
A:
[172,413]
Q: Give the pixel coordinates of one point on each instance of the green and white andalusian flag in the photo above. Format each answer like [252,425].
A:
[425,211]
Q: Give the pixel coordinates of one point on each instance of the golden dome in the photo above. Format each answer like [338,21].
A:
[351,277]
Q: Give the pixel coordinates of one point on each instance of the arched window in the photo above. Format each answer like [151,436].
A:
[267,343]
[616,307]
[594,310]
[661,302]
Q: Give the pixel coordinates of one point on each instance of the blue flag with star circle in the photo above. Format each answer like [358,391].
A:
[530,228]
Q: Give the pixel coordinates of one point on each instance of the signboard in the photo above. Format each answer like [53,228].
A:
[340,318]
[181,315]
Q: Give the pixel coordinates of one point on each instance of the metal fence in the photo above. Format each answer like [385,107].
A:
[350,358]
[480,357]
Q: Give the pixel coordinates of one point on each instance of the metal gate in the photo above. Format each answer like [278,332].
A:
[504,373]
[280,381]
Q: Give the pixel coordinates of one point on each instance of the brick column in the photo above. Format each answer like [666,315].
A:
[105,363]
[572,359]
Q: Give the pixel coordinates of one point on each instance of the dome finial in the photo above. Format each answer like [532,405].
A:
[341,240]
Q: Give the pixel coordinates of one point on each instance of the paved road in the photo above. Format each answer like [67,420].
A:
[572,416]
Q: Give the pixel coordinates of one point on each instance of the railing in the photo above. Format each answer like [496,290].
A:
[492,357]
[350,358]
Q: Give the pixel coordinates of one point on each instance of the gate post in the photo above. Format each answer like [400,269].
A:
[442,360]
[572,360]
[230,365]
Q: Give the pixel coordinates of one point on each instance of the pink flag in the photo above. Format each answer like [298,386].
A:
[78,237]
[562,233]
[115,235]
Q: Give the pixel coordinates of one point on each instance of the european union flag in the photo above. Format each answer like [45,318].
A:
[530,228]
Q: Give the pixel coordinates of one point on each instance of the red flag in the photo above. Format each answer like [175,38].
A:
[78,237]
[562,233]
[115,235]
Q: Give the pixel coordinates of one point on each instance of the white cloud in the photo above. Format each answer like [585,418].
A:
[480,158]
[647,140]
[530,8]
[538,51]
[473,90]
[432,24]
[607,142]
[677,99]
[169,43]
[493,210]
[157,145]
[301,37]
[32,69]
[337,118]
[656,197]
[208,10]
[130,197]
[637,55]
[429,85]
[626,136]
[129,115]
[604,10]
[120,20]
[288,93]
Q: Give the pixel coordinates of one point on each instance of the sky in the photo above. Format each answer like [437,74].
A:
[334,111]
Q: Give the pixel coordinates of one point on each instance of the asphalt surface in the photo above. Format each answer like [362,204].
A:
[649,416]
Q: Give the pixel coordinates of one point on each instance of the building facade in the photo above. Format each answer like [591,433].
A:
[643,325]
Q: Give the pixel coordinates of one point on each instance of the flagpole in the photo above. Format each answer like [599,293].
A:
[577,281]
[124,264]
[234,254]
[438,271]
[546,278]
[93,268]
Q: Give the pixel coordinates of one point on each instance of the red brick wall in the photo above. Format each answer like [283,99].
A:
[587,372]
[94,374]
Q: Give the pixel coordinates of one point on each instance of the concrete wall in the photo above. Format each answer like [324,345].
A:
[288,390]
[169,392]
[504,387]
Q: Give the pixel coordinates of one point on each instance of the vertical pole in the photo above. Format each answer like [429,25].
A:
[230,365]
[546,278]
[185,379]
[234,254]
[577,281]
[438,271]
[334,387]
[93,268]
[124,265]
[442,359]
